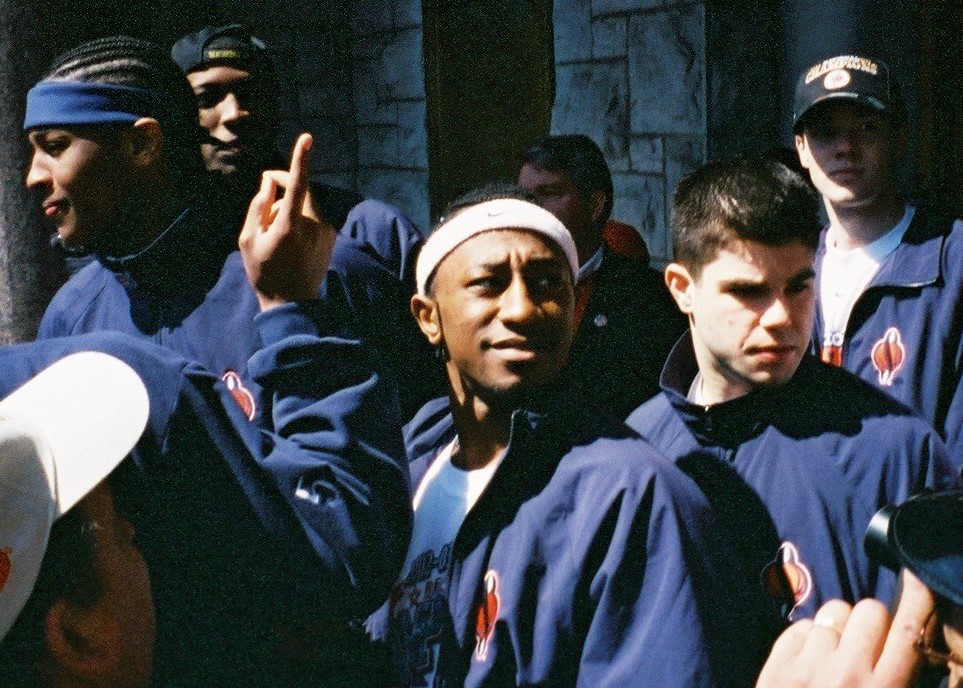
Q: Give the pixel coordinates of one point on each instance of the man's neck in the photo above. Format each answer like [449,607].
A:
[588,247]
[483,432]
[851,228]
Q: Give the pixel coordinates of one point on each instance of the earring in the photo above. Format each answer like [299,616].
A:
[441,352]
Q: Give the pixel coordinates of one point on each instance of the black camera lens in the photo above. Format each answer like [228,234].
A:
[878,540]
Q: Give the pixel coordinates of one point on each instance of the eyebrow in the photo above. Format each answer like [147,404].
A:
[738,282]
[547,261]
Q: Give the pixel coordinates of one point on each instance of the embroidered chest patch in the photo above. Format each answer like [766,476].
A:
[888,356]
[487,614]
[787,579]
[241,394]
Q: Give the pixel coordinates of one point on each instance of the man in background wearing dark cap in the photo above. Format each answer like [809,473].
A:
[236,83]
[889,305]
[235,80]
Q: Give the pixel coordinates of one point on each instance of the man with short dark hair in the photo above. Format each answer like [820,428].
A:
[796,456]
[889,290]
[626,322]
[550,544]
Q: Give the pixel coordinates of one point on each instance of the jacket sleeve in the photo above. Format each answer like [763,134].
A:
[941,471]
[52,324]
[335,449]
[671,608]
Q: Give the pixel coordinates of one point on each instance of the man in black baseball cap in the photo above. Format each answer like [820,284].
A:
[847,77]
[887,309]
[236,83]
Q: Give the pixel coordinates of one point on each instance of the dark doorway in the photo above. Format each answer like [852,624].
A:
[490,85]
[940,85]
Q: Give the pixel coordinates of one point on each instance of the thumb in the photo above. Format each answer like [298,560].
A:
[900,660]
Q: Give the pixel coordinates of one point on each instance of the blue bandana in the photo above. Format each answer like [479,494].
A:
[65,103]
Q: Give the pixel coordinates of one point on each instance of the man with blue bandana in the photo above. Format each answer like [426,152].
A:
[117,166]
[260,545]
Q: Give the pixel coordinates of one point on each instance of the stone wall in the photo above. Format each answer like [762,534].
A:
[631,74]
[389,104]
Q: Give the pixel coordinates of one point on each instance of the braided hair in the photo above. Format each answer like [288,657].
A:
[134,62]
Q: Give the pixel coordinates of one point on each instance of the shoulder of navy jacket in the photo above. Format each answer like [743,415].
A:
[919,259]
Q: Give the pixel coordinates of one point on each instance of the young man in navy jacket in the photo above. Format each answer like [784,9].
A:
[795,455]
[551,544]
[262,544]
[234,76]
[117,166]
[889,287]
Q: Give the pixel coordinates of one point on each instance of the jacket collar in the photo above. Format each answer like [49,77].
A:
[189,248]
[730,423]
[543,427]
[917,260]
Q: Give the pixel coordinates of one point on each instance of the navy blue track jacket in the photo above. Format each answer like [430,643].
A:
[796,472]
[905,333]
[607,568]
[188,292]
[261,543]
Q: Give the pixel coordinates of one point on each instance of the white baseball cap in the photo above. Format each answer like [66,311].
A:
[61,434]
[500,213]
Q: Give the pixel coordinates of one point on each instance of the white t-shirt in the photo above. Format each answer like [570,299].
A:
[419,602]
[846,274]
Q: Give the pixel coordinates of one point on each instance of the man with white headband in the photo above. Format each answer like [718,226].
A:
[550,545]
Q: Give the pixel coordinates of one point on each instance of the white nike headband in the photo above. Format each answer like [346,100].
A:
[501,213]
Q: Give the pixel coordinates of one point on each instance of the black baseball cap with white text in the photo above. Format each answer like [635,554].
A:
[231,44]
[860,79]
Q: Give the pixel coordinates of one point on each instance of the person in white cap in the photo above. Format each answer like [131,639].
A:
[551,545]
[75,597]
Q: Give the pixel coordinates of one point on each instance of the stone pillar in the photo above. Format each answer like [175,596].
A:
[390,105]
[29,272]
[631,74]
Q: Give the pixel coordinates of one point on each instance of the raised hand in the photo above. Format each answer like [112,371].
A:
[285,244]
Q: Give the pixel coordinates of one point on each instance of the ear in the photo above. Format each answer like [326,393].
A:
[145,141]
[681,285]
[597,206]
[425,310]
[802,149]
[72,645]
